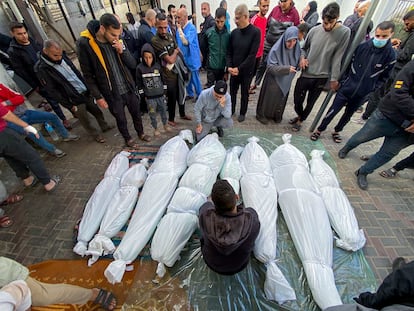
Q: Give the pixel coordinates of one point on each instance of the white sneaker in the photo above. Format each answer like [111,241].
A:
[71,137]
[157,132]
[58,153]
[167,128]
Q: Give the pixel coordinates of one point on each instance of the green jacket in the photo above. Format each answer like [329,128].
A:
[218,41]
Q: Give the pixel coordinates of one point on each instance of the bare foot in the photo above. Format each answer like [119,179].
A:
[28,181]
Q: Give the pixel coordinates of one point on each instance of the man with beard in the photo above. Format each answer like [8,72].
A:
[321,58]
[208,23]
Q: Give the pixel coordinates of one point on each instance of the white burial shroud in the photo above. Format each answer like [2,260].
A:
[169,165]
[306,217]
[231,170]
[177,226]
[118,212]
[340,212]
[259,192]
[98,203]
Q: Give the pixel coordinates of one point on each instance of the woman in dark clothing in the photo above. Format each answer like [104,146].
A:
[311,18]
[282,62]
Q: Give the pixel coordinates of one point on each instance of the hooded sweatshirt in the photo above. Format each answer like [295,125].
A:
[148,77]
[227,238]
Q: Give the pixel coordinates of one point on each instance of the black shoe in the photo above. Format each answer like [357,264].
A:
[398,263]
[362,180]
[262,120]
[342,153]
[220,131]
[241,118]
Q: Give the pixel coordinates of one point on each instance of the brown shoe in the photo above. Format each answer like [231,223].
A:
[146,138]
[185,117]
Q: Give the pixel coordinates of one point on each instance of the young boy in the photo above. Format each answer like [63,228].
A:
[150,85]
[228,231]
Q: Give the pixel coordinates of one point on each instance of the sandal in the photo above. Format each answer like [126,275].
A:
[315,136]
[146,138]
[337,138]
[57,180]
[296,127]
[5,221]
[11,199]
[34,183]
[131,144]
[294,120]
[99,139]
[106,299]
[390,173]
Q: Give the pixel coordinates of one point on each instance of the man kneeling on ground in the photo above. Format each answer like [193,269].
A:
[213,108]
[228,231]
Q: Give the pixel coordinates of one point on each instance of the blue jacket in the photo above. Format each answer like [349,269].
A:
[369,69]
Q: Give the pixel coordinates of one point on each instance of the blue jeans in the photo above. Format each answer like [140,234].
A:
[194,82]
[36,117]
[395,139]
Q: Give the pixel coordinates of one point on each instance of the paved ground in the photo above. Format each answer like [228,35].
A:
[44,222]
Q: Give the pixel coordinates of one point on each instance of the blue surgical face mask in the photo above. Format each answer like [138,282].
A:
[379,43]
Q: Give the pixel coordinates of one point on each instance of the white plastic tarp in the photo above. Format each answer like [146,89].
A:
[259,192]
[97,204]
[157,192]
[307,220]
[231,170]
[340,212]
[118,212]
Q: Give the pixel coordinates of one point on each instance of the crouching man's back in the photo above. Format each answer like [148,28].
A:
[228,231]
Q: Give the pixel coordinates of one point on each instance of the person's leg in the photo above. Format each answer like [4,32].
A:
[234,88]
[53,103]
[339,101]
[84,119]
[39,117]
[299,95]
[197,83]
[408,162]
[94,110]
[117,108]
[315,89]
[22,157]
[350,108]
[152,111]
[261,69]
[190,86]
[210,77]
[223,122]
[162,109]
[256,66]
[172,92]
[132,103]
[244,89]
[219,74]
[41,141]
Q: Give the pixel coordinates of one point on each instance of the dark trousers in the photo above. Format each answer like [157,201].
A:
[214,75]
[256,67]
[82,114]
[261,68]
[314,88]
[351,105]
[172,98]
[53,103]
[408,162]
[242,81]
[117,108]
[22,157]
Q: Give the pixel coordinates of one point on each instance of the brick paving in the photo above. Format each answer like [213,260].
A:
[44,222]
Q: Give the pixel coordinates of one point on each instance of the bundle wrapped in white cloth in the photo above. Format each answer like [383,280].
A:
[118,212]
[259,192]
[177,226]
[231,170]
[306,217]
[340,212]
[169,165]
[98,203]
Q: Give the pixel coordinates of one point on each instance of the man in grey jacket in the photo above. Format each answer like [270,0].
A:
[213,108]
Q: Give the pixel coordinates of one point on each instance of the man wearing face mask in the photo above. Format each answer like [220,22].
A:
[371,65]
[320,58]
[106,64]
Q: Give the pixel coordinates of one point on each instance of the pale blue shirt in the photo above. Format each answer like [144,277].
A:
[70,76]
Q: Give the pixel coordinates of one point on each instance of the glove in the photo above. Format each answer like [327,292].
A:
[31,129]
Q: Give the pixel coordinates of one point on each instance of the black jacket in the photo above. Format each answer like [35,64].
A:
[98,80]
[58,87]
[22,63]
[398,104]
[144,35]
[397,288]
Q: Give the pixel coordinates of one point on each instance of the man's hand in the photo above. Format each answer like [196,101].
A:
[410,129]
[199,129]
[303,63]
[118,46]
[334,85]
[102,103]
[233,71]
[292,69]
[226,76]
[222,101]
[30,129]
[395,43]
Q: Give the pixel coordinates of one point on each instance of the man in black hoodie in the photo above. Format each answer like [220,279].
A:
[228,231]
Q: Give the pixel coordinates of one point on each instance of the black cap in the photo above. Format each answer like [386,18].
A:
[220,87]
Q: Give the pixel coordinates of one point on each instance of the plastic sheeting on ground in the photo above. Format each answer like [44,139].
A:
[118,212]
[98,203]
[340,212]
[169,165]
[177,226]
[307,220]
[259,192]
